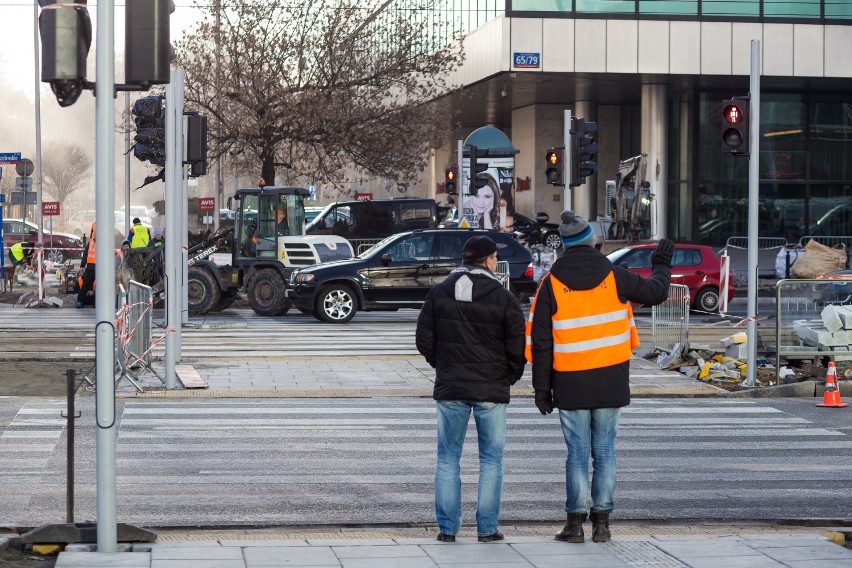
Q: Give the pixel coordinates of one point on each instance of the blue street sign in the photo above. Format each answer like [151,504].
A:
[10,157]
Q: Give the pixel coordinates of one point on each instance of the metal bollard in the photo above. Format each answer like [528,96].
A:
[70,415]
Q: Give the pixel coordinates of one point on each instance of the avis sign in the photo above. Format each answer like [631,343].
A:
[206,204]
[50,208]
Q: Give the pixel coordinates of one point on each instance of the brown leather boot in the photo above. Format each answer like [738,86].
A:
[600,526]
[573,529]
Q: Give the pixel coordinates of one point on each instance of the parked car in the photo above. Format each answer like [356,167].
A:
[139,211]
[80,224]
[398,272]
[311,213]
[840,289]
[377,218]
[57,246]
[696,266]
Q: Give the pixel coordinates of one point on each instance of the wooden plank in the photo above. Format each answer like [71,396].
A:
[190,377]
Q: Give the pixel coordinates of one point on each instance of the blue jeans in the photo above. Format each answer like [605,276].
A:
[453,416]
[589,431]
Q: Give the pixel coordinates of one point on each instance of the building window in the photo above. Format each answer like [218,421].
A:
[669,7]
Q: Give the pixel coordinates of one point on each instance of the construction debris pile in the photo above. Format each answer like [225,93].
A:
[830,337]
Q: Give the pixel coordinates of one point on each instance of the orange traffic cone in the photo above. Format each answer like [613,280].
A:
[831,397]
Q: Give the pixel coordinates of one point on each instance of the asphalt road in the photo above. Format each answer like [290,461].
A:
[274,462]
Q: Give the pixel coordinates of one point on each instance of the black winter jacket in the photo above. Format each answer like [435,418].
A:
[471,330]
[583,268]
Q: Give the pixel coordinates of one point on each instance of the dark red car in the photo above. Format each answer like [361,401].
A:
[696,266]
[57,246]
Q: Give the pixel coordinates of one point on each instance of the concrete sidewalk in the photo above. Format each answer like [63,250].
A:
[664,547]
[371,376]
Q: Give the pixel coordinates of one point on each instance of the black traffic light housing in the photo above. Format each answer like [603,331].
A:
[147,43]
[476,168]
[196,143]
[66,36]
[554,158]
[149,144]
[450,180]
[583,150]
[735,126]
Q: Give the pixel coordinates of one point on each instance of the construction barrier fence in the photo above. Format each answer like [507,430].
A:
[134,333]
[800,331]
[670,321]
[502,272]
[767,251]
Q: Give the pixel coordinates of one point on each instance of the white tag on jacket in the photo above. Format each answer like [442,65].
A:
[464,289]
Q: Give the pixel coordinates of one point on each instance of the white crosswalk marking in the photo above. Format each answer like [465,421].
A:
[280,461]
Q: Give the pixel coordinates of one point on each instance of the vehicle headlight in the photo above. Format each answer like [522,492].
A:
[303,278]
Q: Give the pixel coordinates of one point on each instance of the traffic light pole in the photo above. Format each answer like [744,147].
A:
[460,181]
[753,212]
[174,240]
[105,277]
[566,161]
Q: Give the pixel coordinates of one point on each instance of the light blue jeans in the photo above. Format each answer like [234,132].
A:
[589,431]
[453,416]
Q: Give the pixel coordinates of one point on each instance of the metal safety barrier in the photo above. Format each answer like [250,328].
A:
[134,331]
[502,272]
[361,246]
[767,251]
[670,321]
[799,303]
[833,242]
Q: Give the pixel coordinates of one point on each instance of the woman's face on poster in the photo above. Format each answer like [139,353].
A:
[483,201]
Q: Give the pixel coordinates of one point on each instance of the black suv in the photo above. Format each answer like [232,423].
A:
[398,273]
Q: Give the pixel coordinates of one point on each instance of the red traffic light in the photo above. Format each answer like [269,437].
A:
[733,114]
[552,157]
[735,126]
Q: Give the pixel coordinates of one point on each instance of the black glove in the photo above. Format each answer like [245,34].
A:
[544,401]
[664,252]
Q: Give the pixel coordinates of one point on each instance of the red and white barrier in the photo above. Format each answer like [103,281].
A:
[724,282]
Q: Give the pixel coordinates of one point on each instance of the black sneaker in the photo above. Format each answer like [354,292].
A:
[446,537]
[497,535]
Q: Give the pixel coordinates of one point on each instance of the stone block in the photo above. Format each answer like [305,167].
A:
[737,350]
[735,338]
[831,319]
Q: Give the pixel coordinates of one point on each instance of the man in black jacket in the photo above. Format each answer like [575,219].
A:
[471,330]
[580,340]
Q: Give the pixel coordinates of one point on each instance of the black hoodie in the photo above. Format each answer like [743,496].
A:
[584,268]
[471,330]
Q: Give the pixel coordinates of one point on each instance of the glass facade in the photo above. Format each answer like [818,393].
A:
[805,170]
[751,9]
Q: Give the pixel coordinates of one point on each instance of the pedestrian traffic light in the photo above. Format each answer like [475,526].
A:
[476,168]
[196,143]
[450,175]
[735,126]
[583,150]
[149,144]
[554,158]
[147,47]
[66,36]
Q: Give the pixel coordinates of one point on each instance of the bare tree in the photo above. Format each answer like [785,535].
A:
[65,166]
[316,86]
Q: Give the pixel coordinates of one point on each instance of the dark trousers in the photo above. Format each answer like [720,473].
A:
[88,284]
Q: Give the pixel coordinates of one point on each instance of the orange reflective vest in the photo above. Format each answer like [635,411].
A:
[591,328]
[90,257]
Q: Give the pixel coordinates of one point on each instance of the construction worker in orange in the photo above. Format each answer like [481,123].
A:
[831,396]
[87,286]
[580,336]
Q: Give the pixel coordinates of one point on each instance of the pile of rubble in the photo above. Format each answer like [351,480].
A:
[830,336]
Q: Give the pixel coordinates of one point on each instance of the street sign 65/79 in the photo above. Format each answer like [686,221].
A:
[526,60]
